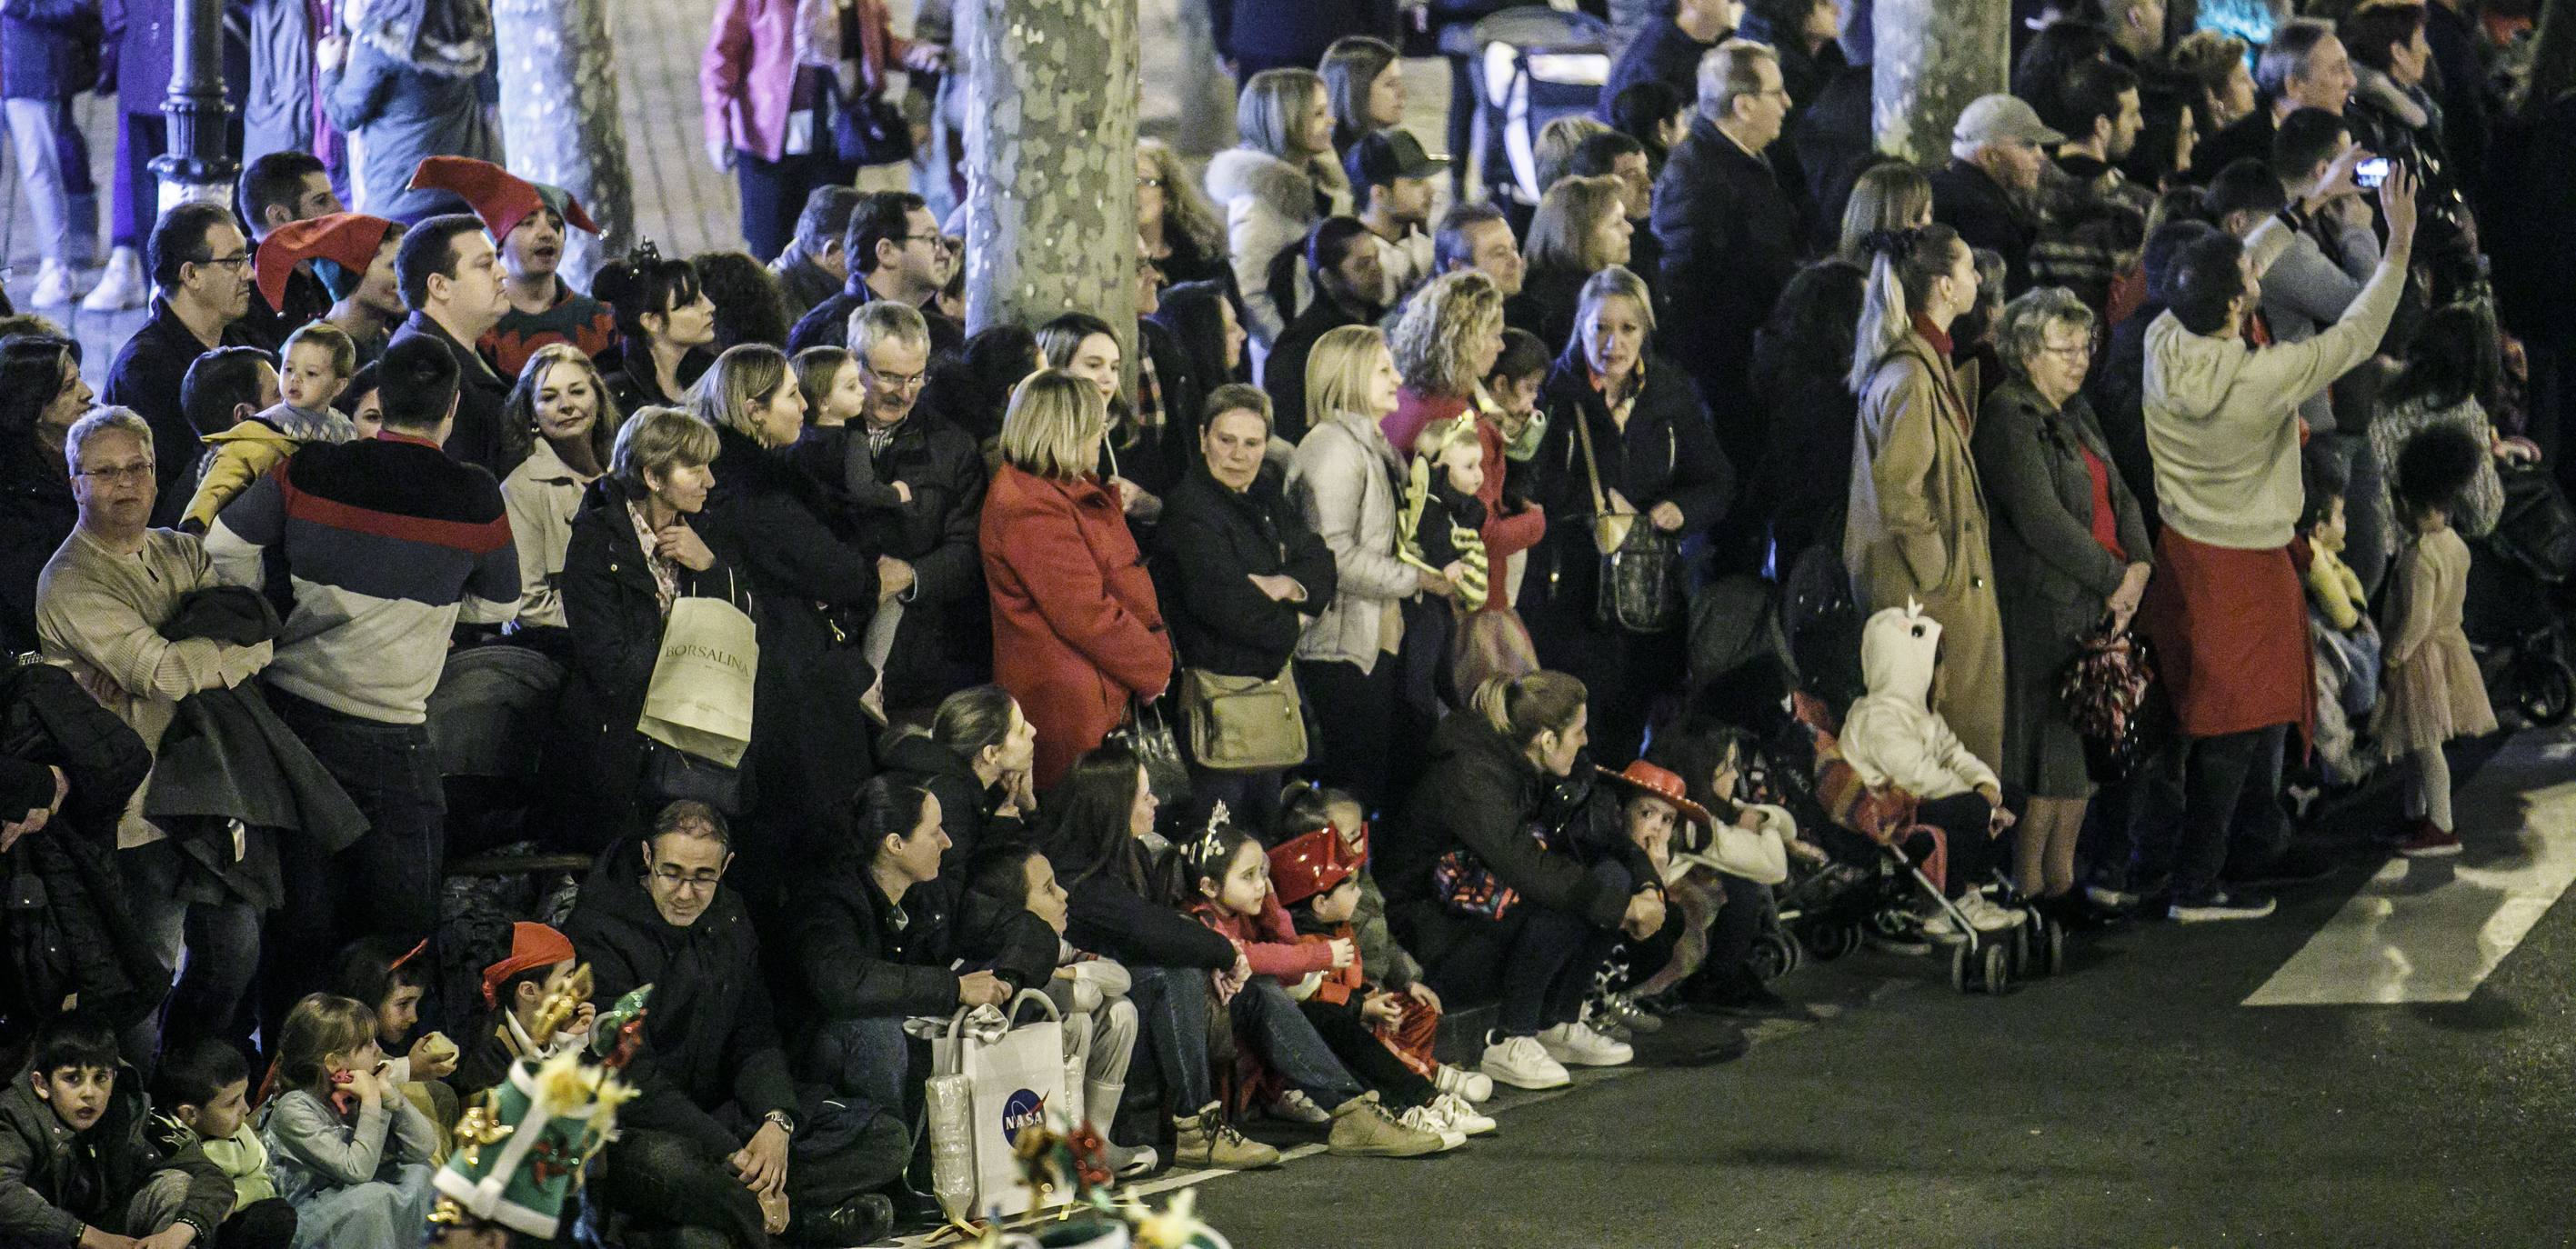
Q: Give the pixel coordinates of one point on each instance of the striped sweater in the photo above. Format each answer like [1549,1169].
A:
[388,543]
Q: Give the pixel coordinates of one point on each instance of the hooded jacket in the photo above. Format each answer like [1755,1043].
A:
[1892,736]
[709,1041]
[2222,420]
[39,1155]
[1480,794]
[1269,205]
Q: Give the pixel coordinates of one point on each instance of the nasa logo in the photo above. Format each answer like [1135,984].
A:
[1024,1110]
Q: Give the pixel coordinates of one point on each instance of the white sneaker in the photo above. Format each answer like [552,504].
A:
[53,286]
[1988,917]
[1471,1086]
[1579,1045]
[121,286]
[1428,1119]
[1938,926]
[1295,1107]
[1523,1063]
[1455,1111]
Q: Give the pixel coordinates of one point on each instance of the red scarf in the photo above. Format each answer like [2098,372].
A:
[1933,334]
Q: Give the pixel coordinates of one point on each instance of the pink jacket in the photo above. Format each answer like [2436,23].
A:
[1269,942]
[747,78]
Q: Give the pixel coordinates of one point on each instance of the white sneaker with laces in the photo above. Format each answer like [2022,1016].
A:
[1427,1119]
[53,286]
[1471,1086]
[1988,917]
[1523,1063]
[1462,1117]
[121,286]
[1579,1045]
[1295,1107]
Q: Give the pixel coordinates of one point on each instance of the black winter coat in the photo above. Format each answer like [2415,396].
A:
[967,807]
[1546,306]
[1110,913]
[943,629]
[37,512]
[854,961]
[1283,371]
[46,1169]
[1985,215]
[2117,392]
[709,1040]
[1733,235]
[1478,793]
[616,626]
[146,376]
[481,395]
[1666,454]
[1211,541]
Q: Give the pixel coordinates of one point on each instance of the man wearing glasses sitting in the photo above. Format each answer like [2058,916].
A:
[717,1140]
[200,260]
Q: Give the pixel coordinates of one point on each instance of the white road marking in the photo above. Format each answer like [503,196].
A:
[2431,930]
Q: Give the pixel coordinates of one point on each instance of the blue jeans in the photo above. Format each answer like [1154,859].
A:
[2231,807]
[220,941]
[1174,1002]
[388,881]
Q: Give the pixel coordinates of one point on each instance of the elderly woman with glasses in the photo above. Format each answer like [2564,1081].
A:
[2070,552]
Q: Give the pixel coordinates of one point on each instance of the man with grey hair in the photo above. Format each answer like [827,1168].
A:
[101,605]
[1987,190]
[912,485]
[1733,234]
[2304,66]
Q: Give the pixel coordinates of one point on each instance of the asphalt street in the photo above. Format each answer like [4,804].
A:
[2133,1101]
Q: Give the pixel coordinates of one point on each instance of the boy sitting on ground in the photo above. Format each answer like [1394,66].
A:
[201,1099]
[77,1163]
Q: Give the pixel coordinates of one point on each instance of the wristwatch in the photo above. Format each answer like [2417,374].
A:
[786,1122]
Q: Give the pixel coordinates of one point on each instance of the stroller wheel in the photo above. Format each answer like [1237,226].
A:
[2017,955]
[1998,969]
[2544,689]
[2054,961]
[1834,941]
[1775,954]
[1963,966]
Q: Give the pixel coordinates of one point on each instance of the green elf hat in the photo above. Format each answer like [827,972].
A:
[520,1151]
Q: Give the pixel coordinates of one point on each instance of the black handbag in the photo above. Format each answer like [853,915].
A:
[1640,586]
[1149,735]
[868,130]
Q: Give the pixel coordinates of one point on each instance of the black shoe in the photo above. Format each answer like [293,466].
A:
[862,1220]
[2294,866]
[2215,903]
[1743,994]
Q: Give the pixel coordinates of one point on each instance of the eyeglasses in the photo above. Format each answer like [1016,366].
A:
[242,259]
[674,878]
[895,381]
[120,474]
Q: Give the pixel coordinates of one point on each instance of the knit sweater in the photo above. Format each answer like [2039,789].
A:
[389,544]
[2222,420]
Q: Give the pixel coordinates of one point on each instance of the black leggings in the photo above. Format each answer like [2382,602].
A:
[1351,1039]
[1972,853]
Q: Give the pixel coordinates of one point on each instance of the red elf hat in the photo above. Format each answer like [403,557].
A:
[501,198]
[349,240]
[531,946]
[1314,863]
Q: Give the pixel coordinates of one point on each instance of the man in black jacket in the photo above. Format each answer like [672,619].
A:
[709,1139]
[2304,66]
[1341,256]
[278,189]
[451,280]
[1986,192]
[1669,50]
[201,263]
[1732,233]
[894,251]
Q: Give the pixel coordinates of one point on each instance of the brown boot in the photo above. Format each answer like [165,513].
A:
[1363,1129]
[1209,1139]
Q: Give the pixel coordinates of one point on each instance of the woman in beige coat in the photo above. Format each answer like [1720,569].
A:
[1917,525]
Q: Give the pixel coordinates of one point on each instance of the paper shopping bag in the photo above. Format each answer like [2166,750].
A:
[699,700]
[1016,1083]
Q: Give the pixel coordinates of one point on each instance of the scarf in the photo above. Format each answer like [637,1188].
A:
[449,38]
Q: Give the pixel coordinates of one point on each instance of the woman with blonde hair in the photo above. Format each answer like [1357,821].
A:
[1077,630]
[1630,462]
[1274,186]
[813,592]
[558,428]
[1582,228]
[1445,347]
[1916,531]
[1890,195]
[1342,480]
[1181,231]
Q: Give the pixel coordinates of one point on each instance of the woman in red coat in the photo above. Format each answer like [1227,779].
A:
[1076,630]
[1445,346]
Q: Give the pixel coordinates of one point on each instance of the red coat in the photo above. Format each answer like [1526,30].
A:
[1505,535]
[1076,630]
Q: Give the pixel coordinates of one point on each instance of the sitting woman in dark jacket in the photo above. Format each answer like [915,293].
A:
[1241,575]
[1635,422]
[976,761]
[1118,874]
[617,593]
[866,960]
[1493,878]
[813,591]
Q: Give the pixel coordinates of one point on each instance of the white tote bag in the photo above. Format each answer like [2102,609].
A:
[1018,1083]
[699,700]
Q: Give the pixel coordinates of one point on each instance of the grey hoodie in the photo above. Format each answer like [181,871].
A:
[2222,419]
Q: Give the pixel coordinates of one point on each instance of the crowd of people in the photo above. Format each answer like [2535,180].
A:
[1344,642]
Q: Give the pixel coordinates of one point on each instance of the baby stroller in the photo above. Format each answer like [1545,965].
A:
[2519,598]
[1533,64]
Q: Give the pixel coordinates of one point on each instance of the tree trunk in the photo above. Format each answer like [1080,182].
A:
[1934,57]
[1050,161]
[559,118]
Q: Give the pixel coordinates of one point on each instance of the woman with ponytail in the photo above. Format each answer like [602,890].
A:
[1917,525]
[1493,880]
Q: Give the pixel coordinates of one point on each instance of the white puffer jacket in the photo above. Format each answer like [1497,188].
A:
[1269,205]
[1892,735]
